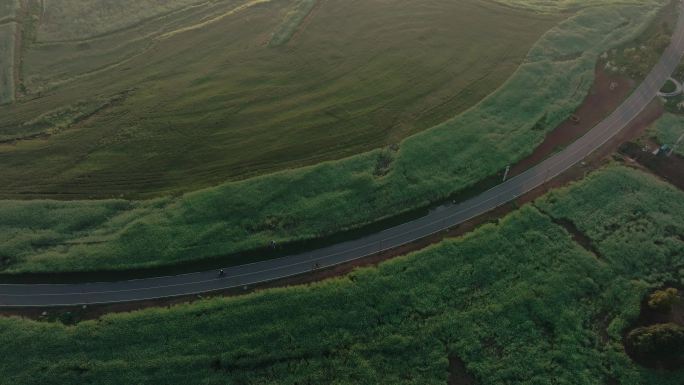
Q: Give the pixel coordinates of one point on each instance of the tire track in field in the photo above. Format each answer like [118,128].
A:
[213,20]
[153,38]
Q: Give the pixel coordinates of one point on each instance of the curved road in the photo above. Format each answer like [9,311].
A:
[17,295]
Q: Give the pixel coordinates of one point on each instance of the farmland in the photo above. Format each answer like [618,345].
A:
[73,20]
[308,203]
[517,302]
[266,95]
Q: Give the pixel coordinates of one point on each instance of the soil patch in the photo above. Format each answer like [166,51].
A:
[458,374]
[578,236]
[669,168]
[606,94]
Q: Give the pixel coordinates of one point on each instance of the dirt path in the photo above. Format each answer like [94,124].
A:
[669,168]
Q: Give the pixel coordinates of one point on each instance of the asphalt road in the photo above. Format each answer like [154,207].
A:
[39,295]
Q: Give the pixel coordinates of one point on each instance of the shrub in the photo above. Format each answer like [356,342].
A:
[662,300]
[657,341]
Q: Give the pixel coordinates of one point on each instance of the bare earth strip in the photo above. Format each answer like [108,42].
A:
[8,10]
[214,19]
[7,62]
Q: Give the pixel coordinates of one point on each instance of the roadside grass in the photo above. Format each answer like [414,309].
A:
[291,22]
[669,130]
[636,58]
[7,36]
[216,104]
[313,202]
[518,302]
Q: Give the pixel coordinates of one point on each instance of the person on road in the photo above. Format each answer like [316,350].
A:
[221,273]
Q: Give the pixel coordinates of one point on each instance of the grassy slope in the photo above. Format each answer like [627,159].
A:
[668,130]
[320,200]
[217,103]
[518,302]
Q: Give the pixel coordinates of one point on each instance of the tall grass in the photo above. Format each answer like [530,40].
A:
[634,220]
[315,201]
[519,302]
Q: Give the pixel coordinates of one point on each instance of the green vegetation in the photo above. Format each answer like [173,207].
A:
[669,130]
[636,58]
[629,217]
[519,302]
[316,201]
[663,300]
[7,35]
[669,87]
[291,22]
[247,109]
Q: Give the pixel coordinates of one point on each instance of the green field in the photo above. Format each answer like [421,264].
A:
[7,33]
[308,203]
[209,100]
[669,130]
[66,20]
[518,302]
